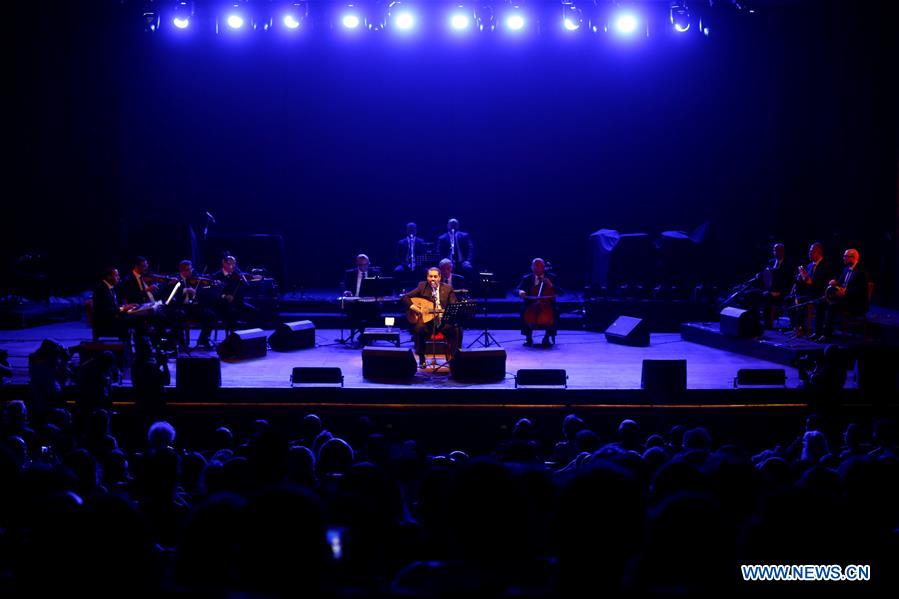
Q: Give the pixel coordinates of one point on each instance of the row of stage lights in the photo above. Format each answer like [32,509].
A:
[622,17]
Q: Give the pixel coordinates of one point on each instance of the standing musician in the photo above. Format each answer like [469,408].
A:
[775,283]
[539,310]
[456,245]
[810,283]
[846,295]
[186,304]
[134,288]
[435,296]
[408,249]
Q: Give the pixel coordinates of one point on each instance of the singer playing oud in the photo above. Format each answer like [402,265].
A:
[428,319]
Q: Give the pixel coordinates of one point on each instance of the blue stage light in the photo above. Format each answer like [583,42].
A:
[351,21]
[460,21]
[679,15]
[515,22]
[572,17]
[290,21]
[182,13]
[235,21]
[404,20]
[626,23]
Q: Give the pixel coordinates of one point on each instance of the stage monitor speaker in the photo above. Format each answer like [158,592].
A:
[315,375]
[761,376]
[479,364]
[627,330]
[665,377]
[289,336]
[736,322]
[198,375]
[390,363]
[244,345]
[541,377]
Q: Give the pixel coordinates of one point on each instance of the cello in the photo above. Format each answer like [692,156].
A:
[540,312]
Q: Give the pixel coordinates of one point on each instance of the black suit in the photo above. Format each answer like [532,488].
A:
[461,251]
[178,312]
[132,292]
[458,282]
[232,285]
[422,332]
[350,278]
[527,285]
[819,274]
[854,302]
[404,257]
[359,314]
[107,321]
[781,279]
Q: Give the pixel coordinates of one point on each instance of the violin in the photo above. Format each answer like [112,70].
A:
[153,277]
[539,312]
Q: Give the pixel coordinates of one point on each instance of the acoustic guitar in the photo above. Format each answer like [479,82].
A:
[428,311]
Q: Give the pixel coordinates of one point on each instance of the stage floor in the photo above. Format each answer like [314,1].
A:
[590,361]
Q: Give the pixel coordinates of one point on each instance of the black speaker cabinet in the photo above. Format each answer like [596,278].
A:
[289,336]
[479,364]
[761,376]
[627,330]
[736,322]
[198,375]
[664,376]
[541,377]
[388,363]
[244,345]
[316,375]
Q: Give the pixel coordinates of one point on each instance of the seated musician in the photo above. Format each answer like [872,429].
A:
[438,295]
[229,304]
[775,284]
[448,276]
[108,307]
[409,249]
[846,295]
[352,279]
[538,313]
[186,305]
[134,288]
[810,283]
[360,314]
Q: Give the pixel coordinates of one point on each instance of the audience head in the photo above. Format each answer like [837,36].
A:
[160,435]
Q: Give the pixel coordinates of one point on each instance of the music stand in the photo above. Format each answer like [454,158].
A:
[486,287]
[376,287]
[456,315]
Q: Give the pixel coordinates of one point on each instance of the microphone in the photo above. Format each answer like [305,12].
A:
[210,218]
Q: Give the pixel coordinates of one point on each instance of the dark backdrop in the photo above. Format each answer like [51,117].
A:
[782,128]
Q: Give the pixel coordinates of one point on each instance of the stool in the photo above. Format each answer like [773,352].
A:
[436,345]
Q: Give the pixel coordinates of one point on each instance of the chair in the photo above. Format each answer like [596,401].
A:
[437,345]
[857,324]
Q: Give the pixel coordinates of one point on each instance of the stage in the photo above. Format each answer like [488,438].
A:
[590,361]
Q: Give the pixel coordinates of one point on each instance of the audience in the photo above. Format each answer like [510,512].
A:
[359,513]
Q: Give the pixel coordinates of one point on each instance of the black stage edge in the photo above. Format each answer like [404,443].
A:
[772,346]
[391,398]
